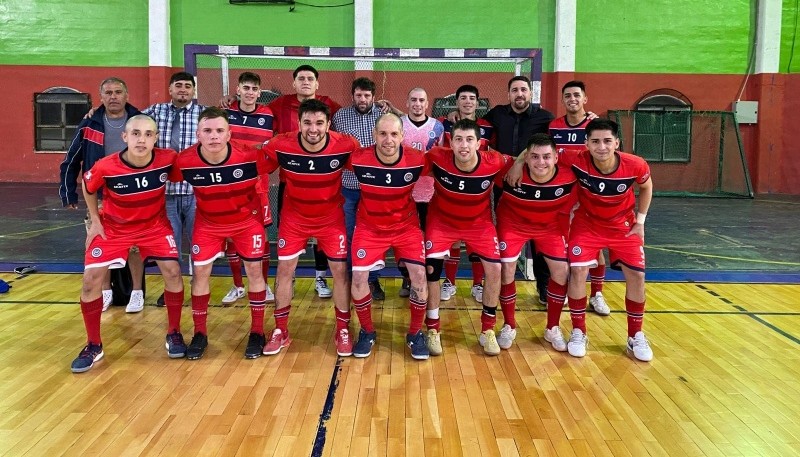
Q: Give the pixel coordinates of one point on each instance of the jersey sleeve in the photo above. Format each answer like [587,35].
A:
[94,178]
[270,155]
[643,172]
[175,174]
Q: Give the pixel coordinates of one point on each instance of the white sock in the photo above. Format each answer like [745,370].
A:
[432,313]
[321,273]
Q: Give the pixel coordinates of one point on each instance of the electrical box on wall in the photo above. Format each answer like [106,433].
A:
[746,112]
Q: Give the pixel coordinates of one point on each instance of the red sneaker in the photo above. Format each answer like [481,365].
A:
[277,341]
[344,345]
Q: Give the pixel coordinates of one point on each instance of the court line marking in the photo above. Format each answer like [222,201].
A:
[322,431]
[724,257]
[36,232]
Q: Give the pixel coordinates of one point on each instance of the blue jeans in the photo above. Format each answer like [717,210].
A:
[351,198]
[180,211]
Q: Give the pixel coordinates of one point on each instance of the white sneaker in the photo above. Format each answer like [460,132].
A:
[108,299]
[598,303]
[447,290]
[577,343]
[321,285]
[477,293]
[270,295]
[488,341]
[433,339]
[639,348]
[136,303]
[506,337]
[234,294]
[555,338]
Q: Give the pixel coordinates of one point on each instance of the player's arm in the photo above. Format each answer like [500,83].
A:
[643,206]
[270,159]
[71,168]
[513,174]
[92,204]
[387,107]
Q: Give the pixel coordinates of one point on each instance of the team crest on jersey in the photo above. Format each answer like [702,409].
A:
[431,134]
[483,132]
[195,249]
[97,252]
[408,177]
[428,244]
[162,177]
[485,184]
[576,250]
[559,191]
[334,163]
[238,173]
[361,253]
[621,188]
[261,121]
[281,243]
[503,245]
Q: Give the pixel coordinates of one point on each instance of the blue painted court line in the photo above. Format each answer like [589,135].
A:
[322,431]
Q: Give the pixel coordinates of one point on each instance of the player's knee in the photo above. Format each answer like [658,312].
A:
[433,269]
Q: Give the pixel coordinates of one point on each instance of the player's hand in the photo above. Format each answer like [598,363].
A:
[514,175]
[591,115]
[636,229]
[95,230]
[226,101]
[453,116]
[90,113]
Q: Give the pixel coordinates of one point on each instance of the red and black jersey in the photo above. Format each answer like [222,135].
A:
[386,201]
[607,199]
[285,108]
[533,203]
[133,197]
[461,197]
[568,137]
[226,191]
[253,128]
[486,139]
[313,179]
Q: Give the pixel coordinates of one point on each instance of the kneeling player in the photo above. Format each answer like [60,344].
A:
[134,214]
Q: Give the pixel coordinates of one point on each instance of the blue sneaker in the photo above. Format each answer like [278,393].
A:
[176,348]
[419,350]
[366,340]
[88,356]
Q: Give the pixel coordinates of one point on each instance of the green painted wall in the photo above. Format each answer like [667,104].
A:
[790,38]
[57,32]
[664,36]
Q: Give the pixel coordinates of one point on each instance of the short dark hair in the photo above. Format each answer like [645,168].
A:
[578,84]
[363,84]
[541,139]
[212,112]
[181,76]
[519,78]
[305,68]
[468,124]
[467,88]
[250,77]
[602,124]
[312,105]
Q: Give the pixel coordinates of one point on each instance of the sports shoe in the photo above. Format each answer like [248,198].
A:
[255,346]
[416,342]
[108,299]
[506,337]
[344,345]
[197,347]
[277,341]
[366,340]
[176,348]
[90,354]
[136,303]
[377,291]
[488,342]
[405,288]
[639,347]
[542,295]
[433,340]
[160,301]
[447,291]
[321,285]
[477,293]
[577,343]
[555,338]
[270,295]
[234,294]
[599,305]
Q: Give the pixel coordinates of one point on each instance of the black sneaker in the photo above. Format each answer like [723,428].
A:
[160,301]
[90,354]
[377,291]
[405,288]
[197,347]
[366,340]
[542,296]
[255,346]
[176,348]
[419,350]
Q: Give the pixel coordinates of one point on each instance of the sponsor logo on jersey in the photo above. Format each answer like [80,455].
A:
[162,177]
[195,249]
[503,245]
[97,252]
[238,173]
[334,163]
[120,185]
[293,163]
[576,250]
[559,191]
[621,188]
[485,184]
[408,177]
[361,253]
[368,175]
[281,243]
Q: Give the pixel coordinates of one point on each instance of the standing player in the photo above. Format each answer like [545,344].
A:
[133,214]
[533,211]
[224,176]
[311,162]
[608,217]
[461,211]
[387,217]
[569,133]
[251,124]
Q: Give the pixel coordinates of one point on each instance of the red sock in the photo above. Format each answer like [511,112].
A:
[417,315]
[577,312]
[508,301]
[258,302]
[91,311]
[477,273]
[432,323]
[236,265]
[265,266]
[597,275]
[556,294]
[635,312]
[363,308]
[342,319]
[200,312]
[174,304]
[488,318]
[451,264]
[282,319]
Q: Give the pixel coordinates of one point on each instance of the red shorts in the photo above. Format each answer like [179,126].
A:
[208,240]
[480,238]
[293,237]
[155,243]
[370,246]
[549,240]
[586,240]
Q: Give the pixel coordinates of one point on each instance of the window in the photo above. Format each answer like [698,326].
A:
[662,128]
[57,113]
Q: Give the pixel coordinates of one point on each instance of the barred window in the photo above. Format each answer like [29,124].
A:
[662,128]
[57,113]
